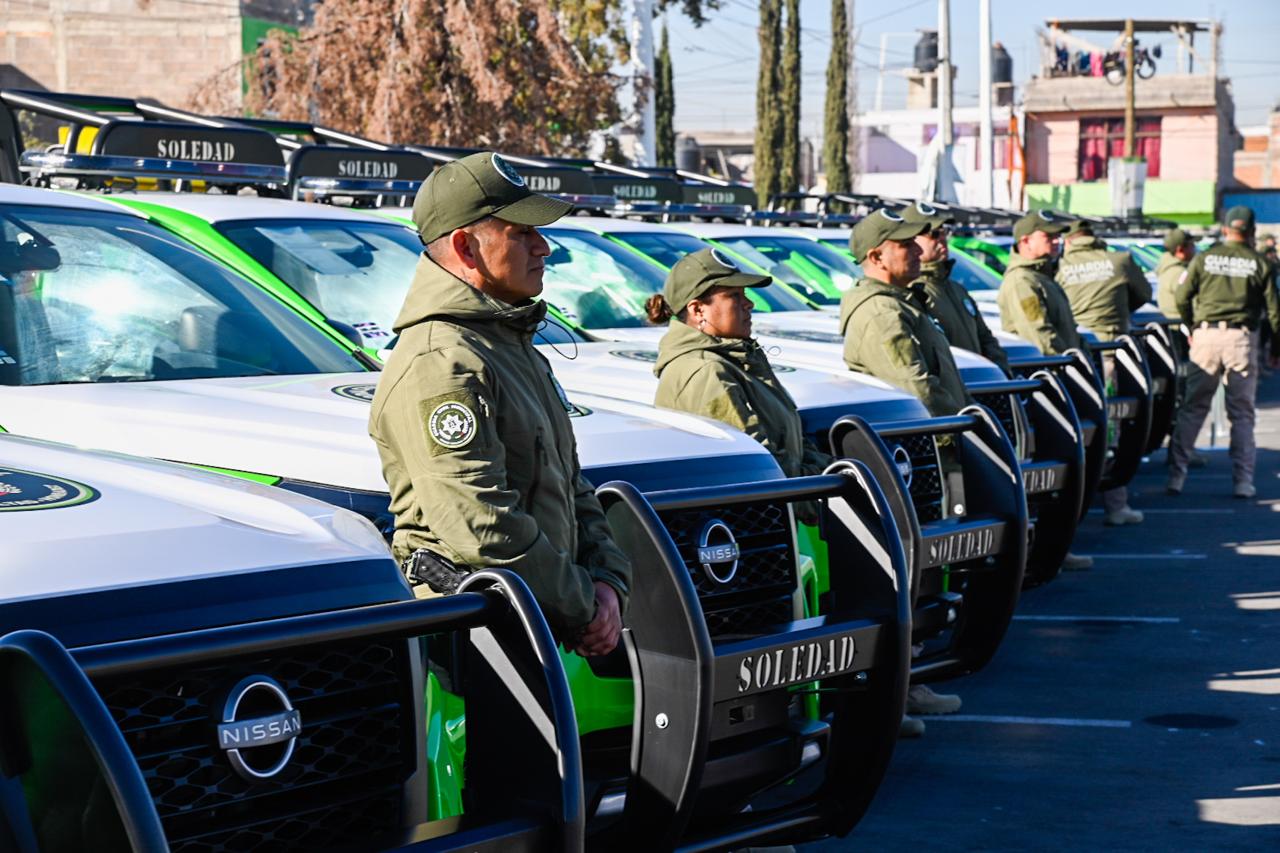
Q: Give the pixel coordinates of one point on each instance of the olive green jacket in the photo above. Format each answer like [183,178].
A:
[1104,287]
[891,338]
[1169,272]
[1228,282]
[1033,306]
[479,454]
[731,381]
[954,309]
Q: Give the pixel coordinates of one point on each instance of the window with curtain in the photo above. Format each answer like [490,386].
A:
[1103,138]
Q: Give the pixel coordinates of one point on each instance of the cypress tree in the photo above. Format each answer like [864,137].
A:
[665,103]
[789,171]
[835,125]
[768,141]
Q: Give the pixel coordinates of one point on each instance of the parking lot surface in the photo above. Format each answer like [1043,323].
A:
[1135,706]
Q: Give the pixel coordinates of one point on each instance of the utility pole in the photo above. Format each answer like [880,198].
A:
[986,136]
[1130,119]
[944,175]
[944,72]
[642,80]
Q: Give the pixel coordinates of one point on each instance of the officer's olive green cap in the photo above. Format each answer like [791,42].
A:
[924,212]
[1078,226]
[469,189]
[1174,238]
[876,228]
[1039,220]
[1239,217]
[697,272]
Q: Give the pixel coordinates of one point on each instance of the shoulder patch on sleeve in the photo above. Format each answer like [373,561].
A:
[451,420]
[1032,308]
[901,350]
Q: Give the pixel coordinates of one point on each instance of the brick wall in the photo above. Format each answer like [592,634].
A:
[162,49]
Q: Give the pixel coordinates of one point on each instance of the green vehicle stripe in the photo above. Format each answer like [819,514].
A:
[264,479]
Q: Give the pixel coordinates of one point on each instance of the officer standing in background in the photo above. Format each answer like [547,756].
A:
[1224,295]
[1179,249]
[1104,288]
[470,423]
[944,299]
[1033,306]
[889,336]
[886,334]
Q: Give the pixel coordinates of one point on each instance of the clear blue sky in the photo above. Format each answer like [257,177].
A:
[715,66]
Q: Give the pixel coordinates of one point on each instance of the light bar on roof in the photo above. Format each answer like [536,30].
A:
[322,186]
[41,164]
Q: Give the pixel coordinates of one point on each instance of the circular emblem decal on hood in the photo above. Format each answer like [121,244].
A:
[362,391]
[25,490]
[646,355]
[505,169]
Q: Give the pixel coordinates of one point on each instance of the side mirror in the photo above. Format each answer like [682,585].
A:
[348,331]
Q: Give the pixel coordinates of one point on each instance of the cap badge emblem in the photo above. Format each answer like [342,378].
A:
[504,169]
[723,260]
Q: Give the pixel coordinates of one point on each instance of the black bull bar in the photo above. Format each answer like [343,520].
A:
[967,569]
[1053,466]
[689,687]
[524,776]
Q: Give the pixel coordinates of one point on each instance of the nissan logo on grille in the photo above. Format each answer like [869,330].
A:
[902,460]
[259,728]
[718,551]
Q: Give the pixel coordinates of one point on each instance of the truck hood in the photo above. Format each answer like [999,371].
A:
[315,428]
[77,521]
[811,339]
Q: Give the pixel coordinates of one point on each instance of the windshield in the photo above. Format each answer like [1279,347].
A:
[595,283]
[100,297]
[667,247]
[817,271]
[971,275]
[351,271]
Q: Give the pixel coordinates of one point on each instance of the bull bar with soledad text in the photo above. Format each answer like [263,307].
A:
[721,723]
[968,563]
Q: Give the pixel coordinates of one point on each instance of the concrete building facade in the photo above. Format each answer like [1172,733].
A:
[162,49]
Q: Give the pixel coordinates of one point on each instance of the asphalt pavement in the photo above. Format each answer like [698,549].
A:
[1135,706]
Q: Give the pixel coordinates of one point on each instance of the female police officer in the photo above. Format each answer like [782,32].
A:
[708,364]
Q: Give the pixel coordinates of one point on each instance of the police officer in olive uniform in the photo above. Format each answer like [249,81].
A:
[1104,288]
[709,365]
[886,334]
[470,423]
[1179,249]
[943,298]
[1225,292]
[1033,305]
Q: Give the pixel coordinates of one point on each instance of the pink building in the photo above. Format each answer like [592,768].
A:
[1075,122]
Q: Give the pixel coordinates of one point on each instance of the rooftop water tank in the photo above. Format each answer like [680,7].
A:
[1001,65]
[927,51]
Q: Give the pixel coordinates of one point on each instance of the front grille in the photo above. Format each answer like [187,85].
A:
[343,782]
[760,594]
[1001,405]
[926,475]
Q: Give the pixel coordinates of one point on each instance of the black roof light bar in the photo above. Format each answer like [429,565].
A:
[133,139]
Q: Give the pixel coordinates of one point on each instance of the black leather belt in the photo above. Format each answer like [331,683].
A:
[1223,324]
